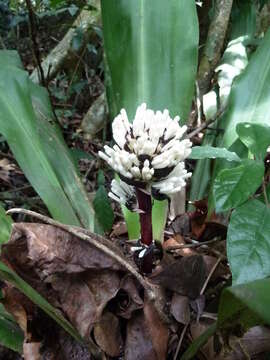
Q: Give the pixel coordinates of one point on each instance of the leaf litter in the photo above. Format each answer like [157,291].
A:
[105,303]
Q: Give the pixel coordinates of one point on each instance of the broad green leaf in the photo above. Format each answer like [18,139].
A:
[39,147]
[11,336]
[250,96]
[199,342]
[211,152]
[243,20]
[10,276]
[256,137]
[150,61]
[248,242]
[233,186]
[151,48]
[5,226]
[103,209]
[246,305]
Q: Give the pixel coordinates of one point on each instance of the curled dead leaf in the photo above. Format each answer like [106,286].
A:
[107,334]
[180,308]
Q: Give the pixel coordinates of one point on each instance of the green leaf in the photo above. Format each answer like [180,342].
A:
[243,20]
[233,186]
[10,276]
[256,137]
[159,213]
[199,342]
[248,242]
[211,152]
[151,48]
[150,61]
[246,305]
[5,226]
[39,147]
[78,154]
[103,209]
[11,336]
[250,96]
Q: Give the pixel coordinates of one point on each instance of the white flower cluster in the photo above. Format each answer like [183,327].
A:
[149,151]
[124,194]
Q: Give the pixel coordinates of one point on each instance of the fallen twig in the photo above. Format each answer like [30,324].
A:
[194,245]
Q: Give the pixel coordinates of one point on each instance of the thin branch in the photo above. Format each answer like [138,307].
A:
[214,43]
[33,34]
[97,241]
[180,342]
[185,246]
[210,275]
[205,124]
[265,193]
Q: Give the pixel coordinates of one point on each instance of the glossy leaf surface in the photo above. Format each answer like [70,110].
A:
[102,205]
[247,305]
[38,145]
[256,137]
[151,49]
[211,152]
[233,186]
[250,96]
[248,242]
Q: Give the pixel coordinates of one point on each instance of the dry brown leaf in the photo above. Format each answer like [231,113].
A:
[92,292]
[185,276]
[196,329]
[15,304]
[49,250]
[31,351]
[119,229]
[220,271]
[159,331]
[130,299]
[255,342]
[175,241]
[107,334]
[181,225]
[138,342]
[180,308]
[82,279]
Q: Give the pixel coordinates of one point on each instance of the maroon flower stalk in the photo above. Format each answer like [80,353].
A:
[145,205]
[148,155]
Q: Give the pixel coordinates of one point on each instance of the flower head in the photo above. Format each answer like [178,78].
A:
[150,150]
[123,194]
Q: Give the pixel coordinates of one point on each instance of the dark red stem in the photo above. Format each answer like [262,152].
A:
[145,204]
